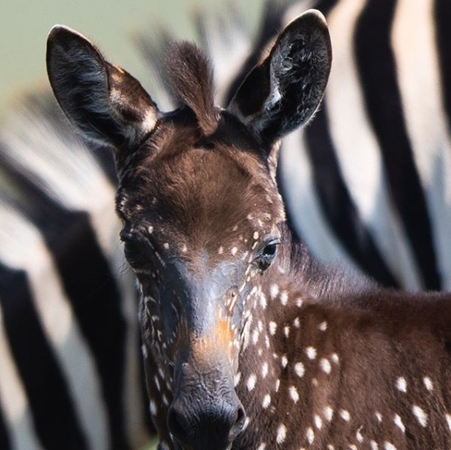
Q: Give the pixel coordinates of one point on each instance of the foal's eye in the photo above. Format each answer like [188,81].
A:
[267,255]
[270,250]
[134,248]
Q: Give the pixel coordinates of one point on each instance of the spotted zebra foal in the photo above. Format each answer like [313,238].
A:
[248,342]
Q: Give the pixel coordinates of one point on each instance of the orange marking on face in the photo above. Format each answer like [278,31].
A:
[217,342]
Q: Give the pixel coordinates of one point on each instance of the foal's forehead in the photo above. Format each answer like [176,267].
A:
[192,183]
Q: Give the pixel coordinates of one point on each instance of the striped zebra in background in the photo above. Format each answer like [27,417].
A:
[374,168]
[366,184]
[70,375]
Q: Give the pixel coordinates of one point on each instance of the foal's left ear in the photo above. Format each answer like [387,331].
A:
[284,91]
[106,103]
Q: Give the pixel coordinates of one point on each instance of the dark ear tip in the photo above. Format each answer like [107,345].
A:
[315,16]
[311,19]
[313,22]
[62,39]
[61,34]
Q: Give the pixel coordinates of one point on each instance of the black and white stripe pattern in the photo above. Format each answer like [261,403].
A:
[367,184]
[384,123]
[70,367]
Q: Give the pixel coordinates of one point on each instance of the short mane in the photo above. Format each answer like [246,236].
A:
[190,76]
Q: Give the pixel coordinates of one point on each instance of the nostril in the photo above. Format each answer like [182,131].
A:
[219,422]
[177,425]
[238,426]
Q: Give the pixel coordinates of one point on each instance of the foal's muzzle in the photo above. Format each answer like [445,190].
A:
[206,414]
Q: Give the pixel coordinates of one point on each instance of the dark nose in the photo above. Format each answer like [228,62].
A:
[200,425]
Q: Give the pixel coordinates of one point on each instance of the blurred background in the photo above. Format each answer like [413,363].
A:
[24,26]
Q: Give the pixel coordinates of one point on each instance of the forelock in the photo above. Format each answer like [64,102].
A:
[190,76]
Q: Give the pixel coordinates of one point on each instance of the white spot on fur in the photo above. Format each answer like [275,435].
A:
[310,435]
[328,413]
[234,251]
[399,424]
[322,326]
[325,366]
[220,250]
[448,420]
[255,336]
[150,229]
[157,383]
[401,384]
[251,382]
[374,445]
[379,417]
[272,328]
[286,331]
[262,446]
[358,435]
[153,408]
[428,383]
[420,415]
[256,235]
[345,415]
[284,361]
[389,446]
[293,393]
[284,297]
[237,378]
[281,434]
[264,370]
[311,352]
[299,369]
[266,401]
[298,302]
[274,291]
[296,322]
[318,422]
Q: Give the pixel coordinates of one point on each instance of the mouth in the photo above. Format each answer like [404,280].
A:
[206,413]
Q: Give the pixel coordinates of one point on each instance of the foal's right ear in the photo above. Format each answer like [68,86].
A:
[106,103]
[284,90]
